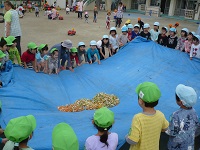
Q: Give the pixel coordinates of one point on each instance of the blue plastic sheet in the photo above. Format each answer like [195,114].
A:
[140,60]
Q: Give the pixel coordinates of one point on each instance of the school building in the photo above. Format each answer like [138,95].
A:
[188,9]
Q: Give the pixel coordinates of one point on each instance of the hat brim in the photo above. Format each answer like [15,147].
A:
[2,55]
[69,47]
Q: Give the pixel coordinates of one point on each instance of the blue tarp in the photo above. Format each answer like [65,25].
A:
[140,60]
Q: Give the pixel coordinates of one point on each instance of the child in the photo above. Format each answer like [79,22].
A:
[145,33]
[155,32]
[104,47]
[103,121]
[195,48]
[91,51]
[113,40]
[28,57]
[74,56]
[184,121]
[67,10]
[136,31]
[162,37]
[188,42]
[108,20]
[140,23]
[64,137]
[41,58]
[146,126]
[20,130]
[5,43]
[13,51]
[53,61]
[36,10]
[182,39]
[2,55]
[95,14]
[172,38]
[86,16]
[130,29]
[82,54]
[123,38]
[115,15]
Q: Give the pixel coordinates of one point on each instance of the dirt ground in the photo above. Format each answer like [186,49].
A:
[41,30]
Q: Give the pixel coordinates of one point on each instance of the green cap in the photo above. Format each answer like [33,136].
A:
[8,41]
[19,129]
[53,49]
[11,38]
[41,47]
[148,92]
[103,117]
[2,54]
[64,137]
[73,50]
[32,45]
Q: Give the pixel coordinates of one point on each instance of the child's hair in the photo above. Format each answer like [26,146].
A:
[44,48]
[151,105]
[195,38]
[109,13]
[177,98]
[185,33]
[2,42]
[104,137]
[9,4]
[53,53]
[107,44]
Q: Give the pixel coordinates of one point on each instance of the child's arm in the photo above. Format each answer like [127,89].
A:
[77,61]
[191,52]
[178,44]
[89,57]
[100,49]
[35,65]
[109,50]
[97,52]
[18,57]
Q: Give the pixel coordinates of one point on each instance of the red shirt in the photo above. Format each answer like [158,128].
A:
[129,36]
[74,57]
[27,57]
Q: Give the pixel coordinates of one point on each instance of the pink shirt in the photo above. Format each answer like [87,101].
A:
[187,45]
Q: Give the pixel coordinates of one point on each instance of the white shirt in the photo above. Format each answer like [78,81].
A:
[80,6]
[114,42]
[195,51]
[93,142]
[154,35]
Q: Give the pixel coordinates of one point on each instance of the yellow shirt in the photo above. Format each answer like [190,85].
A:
[146,129]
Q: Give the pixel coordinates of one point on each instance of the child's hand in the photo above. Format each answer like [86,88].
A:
[1,131]
[190,58]
[70,68]
[90,62]
[36,70]
[4,140]
[121,44]
[79,64]
[99,62]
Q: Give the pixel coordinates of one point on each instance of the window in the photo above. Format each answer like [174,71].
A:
[155,3]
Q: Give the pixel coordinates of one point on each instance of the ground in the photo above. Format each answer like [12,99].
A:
[41,30]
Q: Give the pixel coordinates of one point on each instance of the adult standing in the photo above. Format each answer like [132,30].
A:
[12,25]
[80,8]
[64,54]
[119,15]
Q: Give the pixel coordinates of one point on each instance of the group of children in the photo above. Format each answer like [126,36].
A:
[144,132]
[187,42]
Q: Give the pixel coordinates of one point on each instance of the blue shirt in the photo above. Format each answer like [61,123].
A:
[183,124]
[134,35]
[90,53]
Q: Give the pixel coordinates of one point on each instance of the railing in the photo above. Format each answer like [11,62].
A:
[88,2]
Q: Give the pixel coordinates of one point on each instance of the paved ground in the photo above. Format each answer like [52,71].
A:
[41,30]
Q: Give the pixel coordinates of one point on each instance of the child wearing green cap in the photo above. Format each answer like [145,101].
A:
[2,55]
[74,57]
[28,57]
[103,140]
[41,58]
[64,138]
[145,130]
[13,51]
[5,44]
[20,130]
[184,122]
[53,61]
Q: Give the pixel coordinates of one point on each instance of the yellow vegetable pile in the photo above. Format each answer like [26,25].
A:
[100,100]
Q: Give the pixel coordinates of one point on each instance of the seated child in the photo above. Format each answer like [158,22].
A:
[162,37]
[130,29]
[104,47]
[145,33]
[147,125]
[82,54]
[123,38]
[91,51]
[180,45]
[188,42]
[53,61]
[172,38]
[28,57]
[13,51]
[2,55]
[74,57]
[113,40]
[184,121]
[195,48]
[136,31]
[41,58]
[20,130]
[64,138]
[155,32]
[103,139]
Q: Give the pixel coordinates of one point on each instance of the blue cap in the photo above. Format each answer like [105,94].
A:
[146,25]
[124,29]
[187,95]
[81,44]
[172,30]
[130,26]
[93,42]
[105,37]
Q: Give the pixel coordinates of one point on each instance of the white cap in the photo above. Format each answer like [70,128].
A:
[136,25]
[105,36]
[185,29]
[156,24]
[146,25]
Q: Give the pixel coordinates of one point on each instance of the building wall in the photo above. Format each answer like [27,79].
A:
[61,3]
